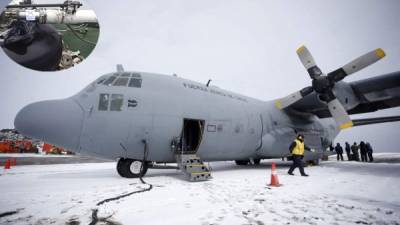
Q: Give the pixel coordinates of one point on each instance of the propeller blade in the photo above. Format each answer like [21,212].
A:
[308,62]
[357,64]
[339,114]
[292,98]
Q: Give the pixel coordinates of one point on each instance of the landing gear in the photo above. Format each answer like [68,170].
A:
[314,162]
[242,162]
[130,168]
[247,162]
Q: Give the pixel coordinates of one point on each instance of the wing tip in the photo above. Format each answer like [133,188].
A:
[380,53]
[346,125]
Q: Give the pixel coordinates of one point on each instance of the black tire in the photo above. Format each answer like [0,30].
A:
[130,168]
[242,162]
[120,163]
[257,161]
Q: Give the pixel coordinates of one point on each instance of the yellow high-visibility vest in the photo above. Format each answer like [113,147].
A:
[299,149]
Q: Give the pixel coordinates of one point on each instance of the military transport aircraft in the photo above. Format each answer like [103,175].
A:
[143,119]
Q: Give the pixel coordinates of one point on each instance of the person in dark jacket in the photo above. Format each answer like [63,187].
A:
[331,148]
[363,151]
[354,150]
[347,148]
[297,150]
[339,151]
[369,152]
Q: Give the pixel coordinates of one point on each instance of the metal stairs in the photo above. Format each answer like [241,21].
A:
[193,167]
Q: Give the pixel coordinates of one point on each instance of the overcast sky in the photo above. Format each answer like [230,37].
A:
[243,46]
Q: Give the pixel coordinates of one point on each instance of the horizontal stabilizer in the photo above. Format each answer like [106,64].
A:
[361,122]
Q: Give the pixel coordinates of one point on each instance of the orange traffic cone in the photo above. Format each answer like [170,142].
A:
[274,176]
[7,165]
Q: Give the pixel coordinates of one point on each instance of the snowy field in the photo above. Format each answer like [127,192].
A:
[335,193]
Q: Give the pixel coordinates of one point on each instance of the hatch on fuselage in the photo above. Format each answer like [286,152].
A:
[192,135]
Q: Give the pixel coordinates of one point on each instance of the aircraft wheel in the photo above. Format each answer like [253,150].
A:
[316,162]
[130,168]
[257,161]
[242,162]
[120,163]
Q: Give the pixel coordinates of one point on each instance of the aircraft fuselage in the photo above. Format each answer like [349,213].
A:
[111,118]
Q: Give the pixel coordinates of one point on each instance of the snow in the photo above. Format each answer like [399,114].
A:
[335,193]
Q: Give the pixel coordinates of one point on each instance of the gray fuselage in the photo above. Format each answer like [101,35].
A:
[111,120]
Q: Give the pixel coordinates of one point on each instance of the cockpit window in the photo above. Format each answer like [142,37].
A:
[103,102]
[110,80]
[121,81]
[117,101]
[125,79]
[125,74]
[101,81]
[135,82]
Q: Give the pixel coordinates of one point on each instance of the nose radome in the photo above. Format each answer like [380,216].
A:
[58,122]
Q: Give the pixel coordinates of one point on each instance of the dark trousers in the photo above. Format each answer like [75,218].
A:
[371,159]
[297,162]
[348,155]
[339,156]
[364,157]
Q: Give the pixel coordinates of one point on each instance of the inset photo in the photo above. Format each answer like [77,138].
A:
[48,35]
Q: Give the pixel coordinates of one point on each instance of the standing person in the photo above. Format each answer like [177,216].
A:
[339,151]
[354,150]
[331,148]
[297,149]
[369,152]
[347,147]
[363,151]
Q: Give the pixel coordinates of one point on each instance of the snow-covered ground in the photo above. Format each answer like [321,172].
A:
[335,193]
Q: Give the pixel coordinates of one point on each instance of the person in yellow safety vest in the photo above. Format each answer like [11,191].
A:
[297,149]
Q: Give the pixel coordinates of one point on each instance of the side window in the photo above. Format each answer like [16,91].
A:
[117,101]
[103,102]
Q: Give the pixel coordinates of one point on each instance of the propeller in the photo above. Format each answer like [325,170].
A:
[323,84]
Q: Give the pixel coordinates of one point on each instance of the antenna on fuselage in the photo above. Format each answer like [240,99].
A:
[208,82]
[120,68]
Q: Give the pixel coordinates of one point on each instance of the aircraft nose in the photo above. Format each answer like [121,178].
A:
[58,122]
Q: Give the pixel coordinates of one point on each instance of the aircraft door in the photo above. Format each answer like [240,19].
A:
[192,135]
[105,126]
[140,120]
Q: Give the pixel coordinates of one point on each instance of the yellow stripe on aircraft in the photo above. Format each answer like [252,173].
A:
[346,125]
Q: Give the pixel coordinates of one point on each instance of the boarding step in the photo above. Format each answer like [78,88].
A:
[193,167]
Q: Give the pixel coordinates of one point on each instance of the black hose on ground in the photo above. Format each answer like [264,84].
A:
[96,219]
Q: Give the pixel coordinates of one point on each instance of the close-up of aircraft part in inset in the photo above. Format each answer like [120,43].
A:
[48,37]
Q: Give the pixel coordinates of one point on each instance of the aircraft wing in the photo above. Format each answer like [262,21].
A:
[363,96]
